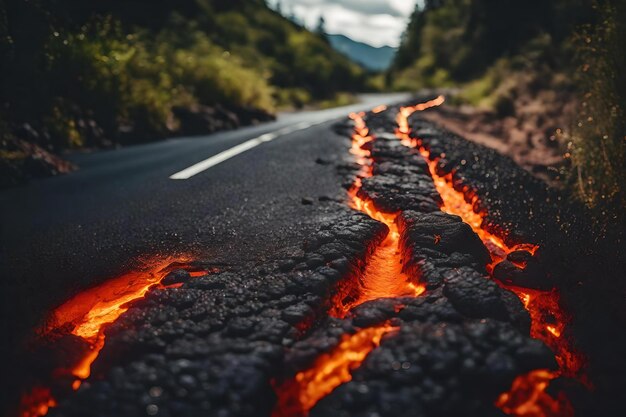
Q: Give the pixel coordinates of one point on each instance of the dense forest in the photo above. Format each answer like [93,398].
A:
[554,65]
[79,74]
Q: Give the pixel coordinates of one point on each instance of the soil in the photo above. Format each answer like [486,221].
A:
[533,134]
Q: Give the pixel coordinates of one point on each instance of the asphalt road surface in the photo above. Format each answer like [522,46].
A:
[228,197]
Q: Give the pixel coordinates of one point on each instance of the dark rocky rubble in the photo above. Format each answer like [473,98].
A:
[213,346]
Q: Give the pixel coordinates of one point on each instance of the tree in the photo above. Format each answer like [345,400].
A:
[320,29]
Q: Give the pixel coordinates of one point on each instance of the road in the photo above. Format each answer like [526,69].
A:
[62,234]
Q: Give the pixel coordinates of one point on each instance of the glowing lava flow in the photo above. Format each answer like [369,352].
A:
[297,396]
[527,396]
[87,315]
[383,276]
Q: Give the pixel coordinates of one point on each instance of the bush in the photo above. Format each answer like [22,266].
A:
[113,71]
[598,142]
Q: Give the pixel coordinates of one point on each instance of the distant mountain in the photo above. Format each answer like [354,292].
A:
[370,57]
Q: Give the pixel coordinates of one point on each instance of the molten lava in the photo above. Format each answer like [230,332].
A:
[297,396]
[86,316]
[459,203]
[37,402]
[527,396]
[379,109]
[383,276]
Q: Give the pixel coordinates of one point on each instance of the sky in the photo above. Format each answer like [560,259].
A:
[376,22]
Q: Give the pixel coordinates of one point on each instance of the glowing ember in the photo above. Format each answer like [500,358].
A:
[379,109]
[548,323]
[88,311]
[297,396]
[37,402]
[87,315]
[527,396]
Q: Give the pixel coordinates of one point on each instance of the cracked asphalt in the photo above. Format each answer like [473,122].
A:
[278,227]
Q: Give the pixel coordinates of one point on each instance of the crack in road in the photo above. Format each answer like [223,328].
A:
[528,396]
[85,316]
[399,271]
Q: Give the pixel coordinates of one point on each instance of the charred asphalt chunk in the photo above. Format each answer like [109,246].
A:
[398,181]
[475,295]
[303,353]
[436,242]
[212,346]
[532,275]
[176,276]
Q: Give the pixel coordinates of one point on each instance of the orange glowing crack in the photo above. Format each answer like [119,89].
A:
[459,203]
[379,109]
[527,396]
[298,395]
[37,402]
[91,310]
[87,315]
[383,276]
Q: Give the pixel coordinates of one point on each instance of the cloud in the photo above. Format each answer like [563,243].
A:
[369,7]
[377,22]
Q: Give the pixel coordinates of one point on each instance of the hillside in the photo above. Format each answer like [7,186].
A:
[110,72]
[370,57]
[542,81]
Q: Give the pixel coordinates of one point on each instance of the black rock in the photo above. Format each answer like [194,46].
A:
[175,277]
[531,276]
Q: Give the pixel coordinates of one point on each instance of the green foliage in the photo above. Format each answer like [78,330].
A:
[377,82]
[425,58]
[136,79]
[341,99]
[494,50]
[125,66]
[457,41]
[598,142]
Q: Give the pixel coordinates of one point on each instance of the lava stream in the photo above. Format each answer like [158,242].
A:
[297,396]
[86,316]
[527,396]
[383,276]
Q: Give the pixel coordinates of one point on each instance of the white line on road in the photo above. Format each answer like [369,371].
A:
[236,150]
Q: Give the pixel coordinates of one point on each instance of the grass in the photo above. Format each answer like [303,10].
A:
[598,140]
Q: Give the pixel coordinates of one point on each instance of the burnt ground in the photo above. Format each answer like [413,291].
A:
[585,267]
[215,345]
